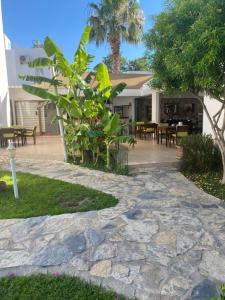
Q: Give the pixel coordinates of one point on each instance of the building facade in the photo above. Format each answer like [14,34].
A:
[5,117]
[28,110]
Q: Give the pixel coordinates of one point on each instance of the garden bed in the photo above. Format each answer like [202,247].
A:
[208,182]
[43,196]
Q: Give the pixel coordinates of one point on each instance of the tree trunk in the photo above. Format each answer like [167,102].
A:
[107,157]
[218,134]
[61,126]
[222,151]
[115,47]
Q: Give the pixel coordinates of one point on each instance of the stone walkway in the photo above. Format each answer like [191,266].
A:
[164,240]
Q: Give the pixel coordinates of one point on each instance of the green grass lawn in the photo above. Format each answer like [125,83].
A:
[48,287]
[43,196]
[208,182]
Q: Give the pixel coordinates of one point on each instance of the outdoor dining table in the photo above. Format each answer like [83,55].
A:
[18,132]
[143,129]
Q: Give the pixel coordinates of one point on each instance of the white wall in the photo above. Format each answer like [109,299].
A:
[126,101]
[15,68]
[8,45]
[213,107]
[4,95]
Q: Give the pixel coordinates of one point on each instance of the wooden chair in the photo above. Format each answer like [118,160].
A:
[8,134]
[150,129]
[161,131]
[181,132]
[138,128]
[19,132]
[30,133]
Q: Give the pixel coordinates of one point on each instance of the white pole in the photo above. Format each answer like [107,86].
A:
[13,169]
[61,127]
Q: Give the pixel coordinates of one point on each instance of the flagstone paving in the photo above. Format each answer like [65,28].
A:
[164,240]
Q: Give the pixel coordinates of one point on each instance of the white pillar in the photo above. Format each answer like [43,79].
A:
[133,110]
[5,116]
[133,115]
[155,107]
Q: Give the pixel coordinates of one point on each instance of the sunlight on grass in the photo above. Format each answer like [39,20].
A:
[55,286]
[43,196]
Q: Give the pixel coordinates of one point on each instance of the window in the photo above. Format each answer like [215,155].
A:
[122,110]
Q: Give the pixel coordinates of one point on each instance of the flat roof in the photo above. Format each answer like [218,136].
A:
[132,80]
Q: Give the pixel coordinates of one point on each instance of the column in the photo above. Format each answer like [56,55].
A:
[133,114]
[155,107]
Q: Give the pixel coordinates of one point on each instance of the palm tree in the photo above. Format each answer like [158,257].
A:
[114,21]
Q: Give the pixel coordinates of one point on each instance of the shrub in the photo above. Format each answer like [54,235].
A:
[118,159]
[200,154]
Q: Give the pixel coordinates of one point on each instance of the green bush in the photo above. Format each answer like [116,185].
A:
[200,154]
[118,159]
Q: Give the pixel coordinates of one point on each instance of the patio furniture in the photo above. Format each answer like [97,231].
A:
[170,131]
[30,133]
[19,130]
[161,131]
[150,129]
[7,134]
[181,132]
[138,129]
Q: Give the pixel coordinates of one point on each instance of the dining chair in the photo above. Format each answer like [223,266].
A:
[161,131]
[151,130]
[30,133]
[138,128]
[181,132]
[8,134]
[19,131]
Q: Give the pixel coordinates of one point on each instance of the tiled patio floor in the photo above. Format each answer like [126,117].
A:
[50,148]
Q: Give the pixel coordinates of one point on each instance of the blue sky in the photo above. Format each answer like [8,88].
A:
[64,21]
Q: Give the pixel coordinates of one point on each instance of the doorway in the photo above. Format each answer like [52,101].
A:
[51,126]
[29,114]
[143,109]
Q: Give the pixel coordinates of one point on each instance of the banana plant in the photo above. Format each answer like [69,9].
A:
[59,67]
[113,134]
[88,124]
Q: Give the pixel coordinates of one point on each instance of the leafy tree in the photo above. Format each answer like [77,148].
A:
[108,61]
[137,64]
[187,46]
[89,126]
[114,21]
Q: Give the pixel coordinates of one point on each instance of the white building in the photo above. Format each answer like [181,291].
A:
[28,110]
[4,91]
[213,107]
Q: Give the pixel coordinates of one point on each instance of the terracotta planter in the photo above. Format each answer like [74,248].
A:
[179,152]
